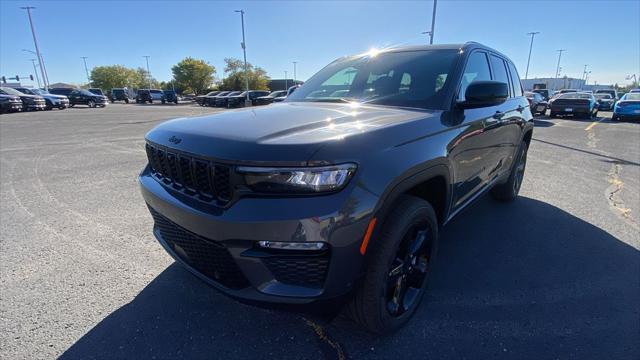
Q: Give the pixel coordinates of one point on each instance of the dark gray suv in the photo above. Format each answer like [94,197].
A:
[339,192]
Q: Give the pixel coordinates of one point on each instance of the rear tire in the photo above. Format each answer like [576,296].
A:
[509,190]
[398,262]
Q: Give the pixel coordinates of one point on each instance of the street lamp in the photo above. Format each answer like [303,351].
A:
[433,23]
[45,79]
[148,72]
[294,72]
[560,51]
[526,74]
[84,58]
[35,42]
[244,52]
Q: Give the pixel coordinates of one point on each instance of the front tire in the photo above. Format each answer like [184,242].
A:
[398,263]
[509,190]
[91,104]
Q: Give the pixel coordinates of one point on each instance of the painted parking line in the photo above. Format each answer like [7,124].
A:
[593,124]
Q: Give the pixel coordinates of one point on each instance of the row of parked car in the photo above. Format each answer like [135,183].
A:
[585,103]
[232,99]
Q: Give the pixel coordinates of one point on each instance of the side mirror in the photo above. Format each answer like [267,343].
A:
[484,93]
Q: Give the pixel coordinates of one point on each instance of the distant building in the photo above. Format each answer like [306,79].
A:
[560,83]
[63,85]
[282,84]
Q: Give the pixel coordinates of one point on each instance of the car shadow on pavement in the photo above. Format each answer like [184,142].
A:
[518,280]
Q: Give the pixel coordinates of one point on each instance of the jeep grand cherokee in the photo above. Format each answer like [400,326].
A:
[340,191]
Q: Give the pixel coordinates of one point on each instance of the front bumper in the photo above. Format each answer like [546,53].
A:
[35,106]
[219,244]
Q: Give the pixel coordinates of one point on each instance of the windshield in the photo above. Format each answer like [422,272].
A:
[234,93]
[156,91]
[213,93]
[85,92]
[603,96]
[408,79]
[277,93]
[575,96]
[10,91]
[632,96]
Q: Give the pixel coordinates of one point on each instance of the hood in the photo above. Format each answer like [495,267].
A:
[287,133]
[27,96]
[53,96]
[10,97]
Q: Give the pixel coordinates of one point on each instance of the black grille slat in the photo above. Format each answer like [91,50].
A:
[302,271]
[208,257]
[195,177]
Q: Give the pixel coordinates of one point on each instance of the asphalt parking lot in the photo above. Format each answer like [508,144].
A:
[555,274]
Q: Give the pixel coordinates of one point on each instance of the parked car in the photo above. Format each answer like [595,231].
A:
[546,93]
[120,94]
[612,92]
[202,99]
[605,101]
[158,95]
[96,91]
[634,91]
[536,102]
[188,97]
[266,100]
[29,102]
[221,100]
[289,92]
[628,108]
[51,100]
[238,100]
[85,97]
[170,96]
[321,199]
[576,104]
[144,96]
[210,100]
[566,91]
[10,103]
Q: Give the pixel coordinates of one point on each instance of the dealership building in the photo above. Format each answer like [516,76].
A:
[560,83]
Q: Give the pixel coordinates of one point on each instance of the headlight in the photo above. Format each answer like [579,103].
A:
[298,180]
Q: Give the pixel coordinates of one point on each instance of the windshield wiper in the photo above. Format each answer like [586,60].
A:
[332,99]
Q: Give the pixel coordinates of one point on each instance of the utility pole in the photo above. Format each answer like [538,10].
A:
[84,59]
[533,34]
[247,101]
[294,72]
[286,84]
[560,51]
[35,42]
[433,23]
[35,70]
[148,72]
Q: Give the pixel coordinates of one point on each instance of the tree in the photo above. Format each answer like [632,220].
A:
[235,80]
[118,76]
[193,75]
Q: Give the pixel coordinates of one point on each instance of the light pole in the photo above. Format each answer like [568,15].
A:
[35,42]
[45,79]
[244,52]
[148,72]
[286,84]
[35,70]
[560,51]
[294,72]
[586,77]
[84,59]
[533,34]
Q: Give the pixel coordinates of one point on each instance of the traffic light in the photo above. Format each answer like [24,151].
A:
[17,77]
[4,80]
[31,77]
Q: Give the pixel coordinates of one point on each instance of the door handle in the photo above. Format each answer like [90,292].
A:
[520,108]
[498,115]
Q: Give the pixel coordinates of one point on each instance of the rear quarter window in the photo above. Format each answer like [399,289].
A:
[515,80]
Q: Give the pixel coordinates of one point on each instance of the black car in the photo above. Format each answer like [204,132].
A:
[202,99]
[144,96]
[328,199]
[266,100]
[10,103]
[170,96]
[84,97]
[120,94]
[61,91]
[239,100]
[546,93]
[96,91]
[536,102]
[289,92]
[221,100]
[577,104]
[29,102]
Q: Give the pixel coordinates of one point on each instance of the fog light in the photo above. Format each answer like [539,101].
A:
[305,246]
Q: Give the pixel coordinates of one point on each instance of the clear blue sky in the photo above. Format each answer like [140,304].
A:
[603,34]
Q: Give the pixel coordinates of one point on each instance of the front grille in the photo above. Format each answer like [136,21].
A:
[309,271]
[208,257]
[203,179]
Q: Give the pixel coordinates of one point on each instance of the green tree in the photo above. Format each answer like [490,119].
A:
[193,75]
[235,80]
[113,76]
